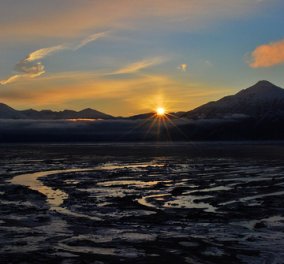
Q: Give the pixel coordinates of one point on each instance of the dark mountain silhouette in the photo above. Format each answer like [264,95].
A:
[66,114]
[142,116]
[260,100]
[7,112]
[256,113]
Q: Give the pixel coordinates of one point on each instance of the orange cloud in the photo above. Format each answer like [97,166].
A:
[268,55]
[64,87]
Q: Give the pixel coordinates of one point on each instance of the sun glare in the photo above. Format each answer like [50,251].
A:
[160,111]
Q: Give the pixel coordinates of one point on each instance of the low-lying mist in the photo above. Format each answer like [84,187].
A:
[137,130]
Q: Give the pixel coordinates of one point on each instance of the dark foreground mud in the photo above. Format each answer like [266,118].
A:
[193,203]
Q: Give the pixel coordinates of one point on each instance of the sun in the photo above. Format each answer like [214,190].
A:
[160,111]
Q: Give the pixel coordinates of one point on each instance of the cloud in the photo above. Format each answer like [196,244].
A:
[10,79]
[90,39]
[183,67]
[29,68]
[66,90]
[25,69]
[42,53]
[268,55]
[139,65]
[76,90]
[71,18]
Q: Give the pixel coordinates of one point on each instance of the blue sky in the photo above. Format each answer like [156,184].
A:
[126,57]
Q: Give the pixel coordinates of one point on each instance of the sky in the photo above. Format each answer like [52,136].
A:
[126,57]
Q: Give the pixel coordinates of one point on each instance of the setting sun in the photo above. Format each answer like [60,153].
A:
[160,111]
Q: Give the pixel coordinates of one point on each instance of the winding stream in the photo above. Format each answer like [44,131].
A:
[56,197]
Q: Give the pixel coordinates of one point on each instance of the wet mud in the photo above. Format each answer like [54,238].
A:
[139,204]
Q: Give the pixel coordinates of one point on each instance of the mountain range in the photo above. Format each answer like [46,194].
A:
[261,100]
[6,112]
[255,113]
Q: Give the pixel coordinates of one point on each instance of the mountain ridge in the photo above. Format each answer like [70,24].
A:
[7,112]
[261,99]
[255,101]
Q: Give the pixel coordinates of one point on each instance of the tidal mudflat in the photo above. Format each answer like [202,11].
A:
[142,203]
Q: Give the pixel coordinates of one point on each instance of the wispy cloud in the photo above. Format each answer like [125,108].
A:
[90,39]
[139,65]
[11,79]
[31,67]
[28,68]
[74,17]
[25,69]
[124,96]
[49,90]
[42,53]
[267,55]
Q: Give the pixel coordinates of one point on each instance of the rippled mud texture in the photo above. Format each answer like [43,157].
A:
[193,203]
